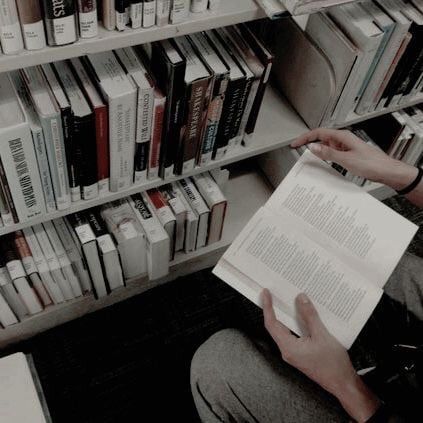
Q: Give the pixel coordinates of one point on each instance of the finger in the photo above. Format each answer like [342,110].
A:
[319,134]
[277,330]
[327,153]
[309,315]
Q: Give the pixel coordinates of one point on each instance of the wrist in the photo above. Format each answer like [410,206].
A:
[399,175]
[358,400]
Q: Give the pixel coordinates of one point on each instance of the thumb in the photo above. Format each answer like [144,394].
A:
[326,153]
[308,314]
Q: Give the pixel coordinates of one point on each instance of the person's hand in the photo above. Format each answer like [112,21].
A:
[355,155]
[320,357]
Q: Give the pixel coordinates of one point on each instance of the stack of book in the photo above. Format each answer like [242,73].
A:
[77,129]
[95,251]
[33,24]
[368,56]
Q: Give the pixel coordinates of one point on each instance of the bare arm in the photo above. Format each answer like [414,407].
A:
[362,159]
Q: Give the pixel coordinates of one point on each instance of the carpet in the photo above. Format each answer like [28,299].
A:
[130,362]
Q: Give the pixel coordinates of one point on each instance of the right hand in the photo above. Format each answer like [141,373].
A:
[346,149]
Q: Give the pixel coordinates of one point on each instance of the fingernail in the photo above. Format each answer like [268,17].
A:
[303,299]
[315,148]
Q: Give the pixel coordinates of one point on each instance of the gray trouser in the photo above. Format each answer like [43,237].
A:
[236,379]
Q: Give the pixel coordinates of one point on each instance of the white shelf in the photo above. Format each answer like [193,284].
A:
[278,125]
[231,12]
[246,192]
[354,118]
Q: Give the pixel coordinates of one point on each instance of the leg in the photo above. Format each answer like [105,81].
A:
[235,379]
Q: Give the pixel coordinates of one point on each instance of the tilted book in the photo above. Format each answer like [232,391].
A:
[324,236]
[17,156]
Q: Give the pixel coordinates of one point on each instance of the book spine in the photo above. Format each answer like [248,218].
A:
[10,217]
[32,24]
[7,316]
[162,12]
[30,267]
[179,11]
[5,214]
[156,140]
[41,153]
[60,20]
[149,13]
[136,13]
[199,6]
[122,124]
[56,153]
[20,165]
[10,30]
[108,15]
[102,141]
[87,12]
[73,153]
[11,295]
[214,5]
[84,132]
[144,131]
[120,10]
[227,121]
[195,115]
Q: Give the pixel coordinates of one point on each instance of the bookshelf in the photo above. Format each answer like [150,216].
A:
[246,192]
[278,126]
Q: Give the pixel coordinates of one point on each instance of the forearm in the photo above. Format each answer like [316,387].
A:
[358,400]
[399,176]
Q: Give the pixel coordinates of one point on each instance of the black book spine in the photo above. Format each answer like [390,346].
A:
[96,222]
[241,107]
[171,80]
[142,153]
[233,96]
[63,31]
[84,132]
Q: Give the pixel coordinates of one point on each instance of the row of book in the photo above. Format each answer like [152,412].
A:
[96,251]
[78,129]
[368,56]
[32,24]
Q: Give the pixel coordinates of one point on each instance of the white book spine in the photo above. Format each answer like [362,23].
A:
[20,165]
[73,253]
[43,270]
[136,14]
[10,293]
[199,6]
[110,258]
[149,13]
[7,317]
[122,113]
[27,294]
[53,262]
[10,30]
[162,12]
[179,11]
[63,258]
[214,5]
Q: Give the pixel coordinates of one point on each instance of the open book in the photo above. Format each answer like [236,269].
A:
[324,236]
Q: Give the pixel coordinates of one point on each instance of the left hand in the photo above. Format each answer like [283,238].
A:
[320,357]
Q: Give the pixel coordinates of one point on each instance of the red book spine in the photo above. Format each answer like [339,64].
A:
[157,198]
[156,141]
[102,139]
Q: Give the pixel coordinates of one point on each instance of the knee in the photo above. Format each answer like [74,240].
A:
[213,361]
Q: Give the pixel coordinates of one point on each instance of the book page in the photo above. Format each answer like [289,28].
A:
[353,226]
[276,256]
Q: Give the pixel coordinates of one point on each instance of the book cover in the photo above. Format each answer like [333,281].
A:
[121,97]
[17,156]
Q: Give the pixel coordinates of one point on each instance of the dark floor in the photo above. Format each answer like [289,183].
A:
[132,360]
